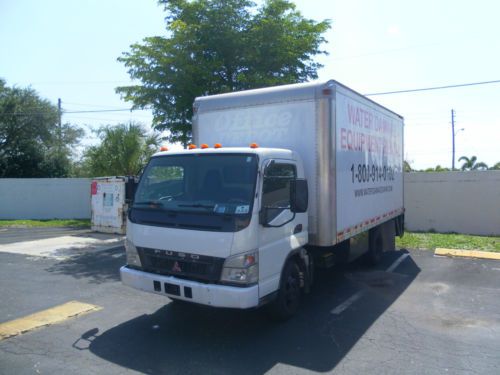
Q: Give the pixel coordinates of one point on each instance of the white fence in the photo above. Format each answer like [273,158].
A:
[45,198]
[462,202]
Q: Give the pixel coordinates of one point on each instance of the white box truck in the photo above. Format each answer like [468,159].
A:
[282,179]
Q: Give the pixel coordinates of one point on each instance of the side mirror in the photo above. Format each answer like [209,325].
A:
[299,196]
[130,188]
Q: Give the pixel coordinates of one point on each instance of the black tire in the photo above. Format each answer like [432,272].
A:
[376,247]
[287,301]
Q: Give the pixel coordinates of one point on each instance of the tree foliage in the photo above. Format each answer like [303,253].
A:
[407,166]
[437,168]
[471,164]
[31,143]
[123,151]
[217,46]
[496,166]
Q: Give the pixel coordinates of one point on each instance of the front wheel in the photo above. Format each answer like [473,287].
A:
[287,302]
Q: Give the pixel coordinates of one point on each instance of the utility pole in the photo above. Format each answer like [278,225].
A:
[453,139]
[59,133]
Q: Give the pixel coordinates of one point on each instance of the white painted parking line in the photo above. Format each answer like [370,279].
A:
[397,262]
[348,302]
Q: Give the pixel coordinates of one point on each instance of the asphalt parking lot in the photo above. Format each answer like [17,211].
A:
[15,235]
[413,314]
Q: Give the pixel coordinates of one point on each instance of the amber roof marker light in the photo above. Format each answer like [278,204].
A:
[192,146]
[204,146]
[254,145]
[217,145]
[163,148]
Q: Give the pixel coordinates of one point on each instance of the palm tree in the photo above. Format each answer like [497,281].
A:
[471,164]
[123,151]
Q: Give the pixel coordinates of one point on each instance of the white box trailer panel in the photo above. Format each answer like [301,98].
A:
[369,163]
[277,125]
[309,118]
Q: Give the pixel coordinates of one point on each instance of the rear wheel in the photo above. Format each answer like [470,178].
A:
[287,302]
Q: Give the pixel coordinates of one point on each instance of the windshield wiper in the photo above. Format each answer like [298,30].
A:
[198,205]
[156,205]
[147,203]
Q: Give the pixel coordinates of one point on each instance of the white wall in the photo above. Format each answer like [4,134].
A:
[462,202]
[45,198]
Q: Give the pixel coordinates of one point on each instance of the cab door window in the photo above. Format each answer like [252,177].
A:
[276,188]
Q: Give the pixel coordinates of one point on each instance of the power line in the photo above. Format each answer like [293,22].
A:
[433,88]
[372,94]
[105,110]
[97,119]
[53,83]
[94,105]
[70,112]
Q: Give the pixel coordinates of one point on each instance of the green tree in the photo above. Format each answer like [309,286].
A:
[471,164]
[407,166]
[31,143]
[124,150]
[216,46]
[437,168]
[496,166]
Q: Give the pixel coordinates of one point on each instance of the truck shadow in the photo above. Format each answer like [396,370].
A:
[97,267]
[181,338]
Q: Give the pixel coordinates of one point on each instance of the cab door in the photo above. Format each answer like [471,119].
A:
[278,224]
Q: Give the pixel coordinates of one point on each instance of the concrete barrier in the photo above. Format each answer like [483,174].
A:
[461,202]
[45,198]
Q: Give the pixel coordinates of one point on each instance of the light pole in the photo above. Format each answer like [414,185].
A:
[454,135]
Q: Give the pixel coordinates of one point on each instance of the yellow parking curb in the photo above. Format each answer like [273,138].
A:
[467,253]
[53,315]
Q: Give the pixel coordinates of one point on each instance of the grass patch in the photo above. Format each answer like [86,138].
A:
[78,223]
[451,241]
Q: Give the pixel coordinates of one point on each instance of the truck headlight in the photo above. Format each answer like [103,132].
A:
[241,268]
[132,254]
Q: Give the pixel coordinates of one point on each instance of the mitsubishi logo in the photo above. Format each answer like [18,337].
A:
[176,267]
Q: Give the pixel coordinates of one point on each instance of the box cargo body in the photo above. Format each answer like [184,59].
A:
[351,147]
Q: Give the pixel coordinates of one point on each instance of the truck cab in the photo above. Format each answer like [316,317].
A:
[216,226]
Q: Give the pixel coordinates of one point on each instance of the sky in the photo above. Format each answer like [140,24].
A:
[69,49]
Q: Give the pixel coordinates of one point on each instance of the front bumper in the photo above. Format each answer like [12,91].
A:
[192,291]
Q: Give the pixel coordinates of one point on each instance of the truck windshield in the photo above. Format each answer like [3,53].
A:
[197,191]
